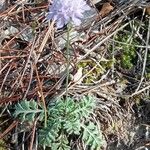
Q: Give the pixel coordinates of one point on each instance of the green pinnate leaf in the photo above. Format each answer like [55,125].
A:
[92,136]
[49,134]
[65,117]
[85,107]
[61,144]
[28,110]
[72,127]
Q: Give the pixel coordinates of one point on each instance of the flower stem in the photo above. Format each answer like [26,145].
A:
[68,58]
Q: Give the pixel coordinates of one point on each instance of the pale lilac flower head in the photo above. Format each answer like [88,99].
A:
[64,11]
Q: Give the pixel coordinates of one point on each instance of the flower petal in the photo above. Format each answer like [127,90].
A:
[64,11]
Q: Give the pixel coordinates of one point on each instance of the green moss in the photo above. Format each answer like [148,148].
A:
[126,48]
[126,42]
[97,72]
[2,145]
[128,51]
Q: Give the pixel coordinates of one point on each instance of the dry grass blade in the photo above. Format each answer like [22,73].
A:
[14,123]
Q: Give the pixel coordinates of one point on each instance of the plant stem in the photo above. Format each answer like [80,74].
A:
[68,58]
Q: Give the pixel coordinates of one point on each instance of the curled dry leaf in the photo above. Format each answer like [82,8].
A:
[106,9]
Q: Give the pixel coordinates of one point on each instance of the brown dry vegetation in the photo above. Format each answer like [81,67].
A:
[112,47]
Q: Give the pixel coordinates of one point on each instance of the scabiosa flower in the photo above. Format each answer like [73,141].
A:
[64,11]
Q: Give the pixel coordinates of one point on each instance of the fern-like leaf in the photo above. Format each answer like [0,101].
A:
[72,127]
[92,136]
[49,134]
[27,110]
[85,106]
[61,144]
[64,117]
